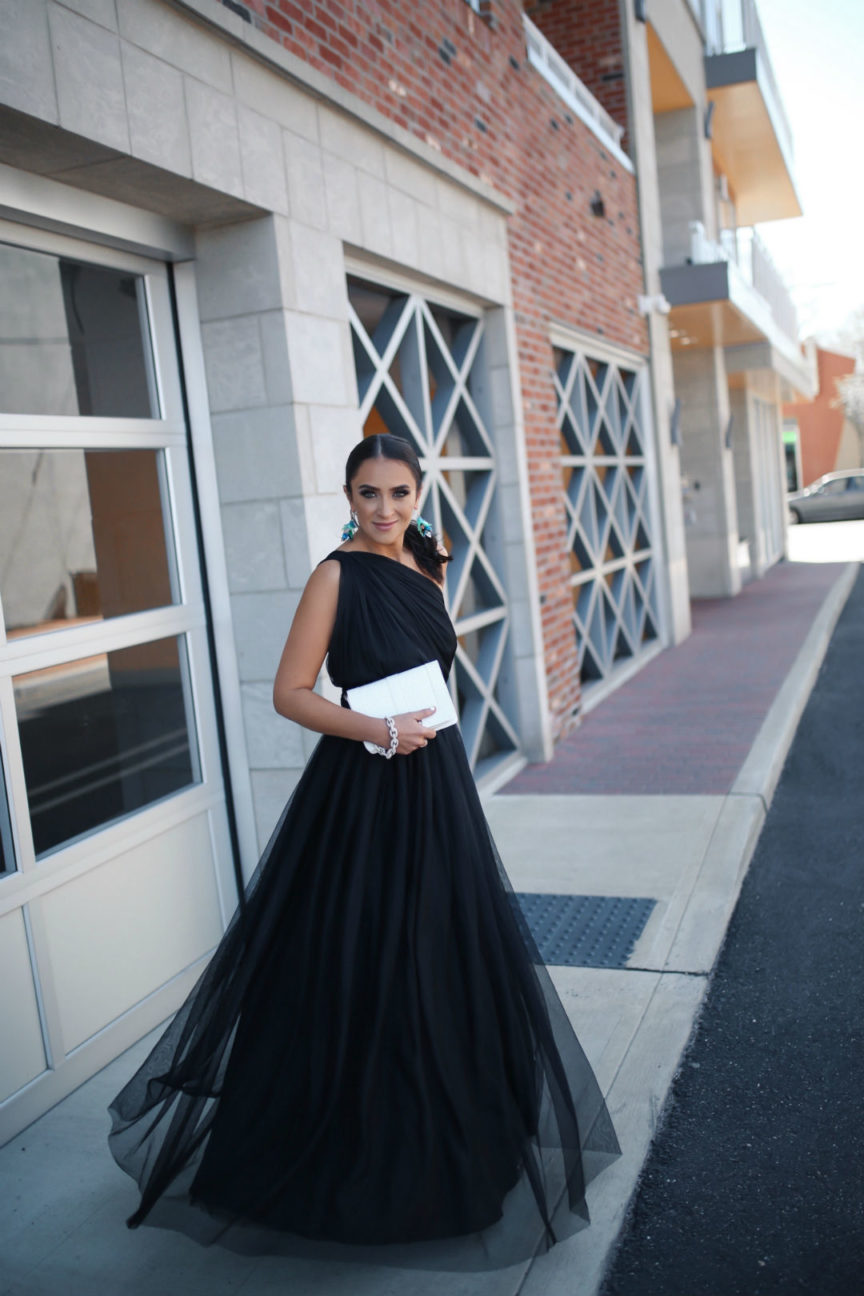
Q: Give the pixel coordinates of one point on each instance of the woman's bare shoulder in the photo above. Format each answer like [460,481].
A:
[326,574]
[322,587]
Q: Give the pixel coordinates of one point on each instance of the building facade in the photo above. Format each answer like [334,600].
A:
[234,239]
[714,155]
[818,436]
[707,132]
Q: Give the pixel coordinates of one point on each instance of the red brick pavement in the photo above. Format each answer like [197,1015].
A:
[686,722]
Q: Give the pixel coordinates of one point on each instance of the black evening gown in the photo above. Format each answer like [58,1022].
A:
[375,1053]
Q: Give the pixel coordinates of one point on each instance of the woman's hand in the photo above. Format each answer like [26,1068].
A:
[413,734]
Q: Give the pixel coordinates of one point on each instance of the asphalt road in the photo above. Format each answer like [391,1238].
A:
[755,1184]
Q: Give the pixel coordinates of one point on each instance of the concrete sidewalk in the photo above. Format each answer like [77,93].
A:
[661,794]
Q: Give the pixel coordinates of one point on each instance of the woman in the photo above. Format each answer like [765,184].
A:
[375,1053]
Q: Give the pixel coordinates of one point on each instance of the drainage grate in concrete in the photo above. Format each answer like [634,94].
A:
[585,931]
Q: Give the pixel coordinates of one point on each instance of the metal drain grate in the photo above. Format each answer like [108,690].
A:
[585,931]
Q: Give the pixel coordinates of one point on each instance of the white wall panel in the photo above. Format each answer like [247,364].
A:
[22,1054]
[121,931]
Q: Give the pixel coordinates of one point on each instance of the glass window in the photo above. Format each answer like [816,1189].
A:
[834,487]
[856,483]
[104,736]
[83,536]
[74,338]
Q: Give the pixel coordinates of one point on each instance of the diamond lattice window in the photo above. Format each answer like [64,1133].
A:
[609,531]
[418,366]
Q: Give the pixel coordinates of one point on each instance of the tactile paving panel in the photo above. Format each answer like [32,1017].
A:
[585,931]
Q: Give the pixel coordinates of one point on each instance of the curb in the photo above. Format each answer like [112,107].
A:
[760,773]
[756,783]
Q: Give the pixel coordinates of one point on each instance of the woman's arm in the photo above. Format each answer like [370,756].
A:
[302,658]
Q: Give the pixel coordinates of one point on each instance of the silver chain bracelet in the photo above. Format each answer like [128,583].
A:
[388,752]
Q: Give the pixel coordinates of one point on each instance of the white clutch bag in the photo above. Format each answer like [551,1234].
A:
[409,690]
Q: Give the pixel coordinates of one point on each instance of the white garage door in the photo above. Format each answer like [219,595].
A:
[115,865]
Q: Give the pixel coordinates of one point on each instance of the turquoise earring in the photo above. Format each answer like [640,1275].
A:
[423,526]
[350,528]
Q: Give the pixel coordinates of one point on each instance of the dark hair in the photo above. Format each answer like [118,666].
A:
[383,445]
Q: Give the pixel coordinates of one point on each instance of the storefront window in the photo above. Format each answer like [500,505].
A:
[104,736]
[74,339]
[83,534]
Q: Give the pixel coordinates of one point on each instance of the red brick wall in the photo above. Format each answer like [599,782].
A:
[462,83]
[587,35]
[820,426]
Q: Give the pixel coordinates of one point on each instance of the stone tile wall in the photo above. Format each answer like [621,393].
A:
[462,84]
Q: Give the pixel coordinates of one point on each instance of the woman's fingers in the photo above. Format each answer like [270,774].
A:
[413,733]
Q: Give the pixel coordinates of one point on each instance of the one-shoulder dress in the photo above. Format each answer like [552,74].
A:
[375,1053]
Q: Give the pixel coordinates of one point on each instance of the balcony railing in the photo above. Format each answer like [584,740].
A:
[753,37]
[744,249]
[708,17]
[728,27]
[553,68]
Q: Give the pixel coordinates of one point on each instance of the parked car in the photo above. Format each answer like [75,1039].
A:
[836,497]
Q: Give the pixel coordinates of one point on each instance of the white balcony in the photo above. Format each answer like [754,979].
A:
[751,138]
[730,294]
[543,56]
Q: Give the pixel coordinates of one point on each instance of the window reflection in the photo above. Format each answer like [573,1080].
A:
[83,536]
[104,736]
[74,338]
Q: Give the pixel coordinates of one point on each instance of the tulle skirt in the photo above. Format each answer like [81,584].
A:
[375,1055]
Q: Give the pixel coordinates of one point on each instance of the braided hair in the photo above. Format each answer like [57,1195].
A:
[425,550]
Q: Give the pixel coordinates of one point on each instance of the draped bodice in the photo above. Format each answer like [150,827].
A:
[389,618]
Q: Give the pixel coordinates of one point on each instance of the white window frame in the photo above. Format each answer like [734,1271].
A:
[185,619]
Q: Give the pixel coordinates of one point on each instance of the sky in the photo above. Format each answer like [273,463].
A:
[817,52]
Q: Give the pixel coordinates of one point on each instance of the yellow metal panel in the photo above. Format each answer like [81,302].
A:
[747,151]
[668,91]
[706,324]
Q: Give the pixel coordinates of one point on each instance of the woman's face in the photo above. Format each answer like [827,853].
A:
[383,495]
